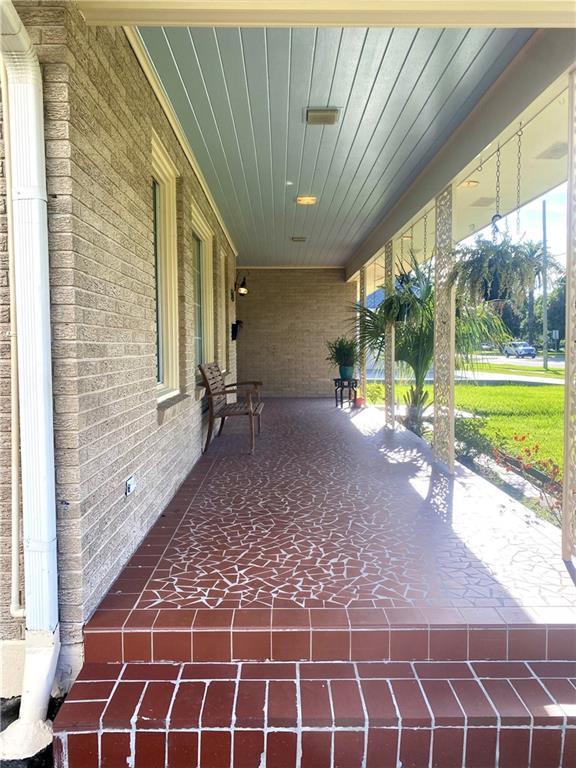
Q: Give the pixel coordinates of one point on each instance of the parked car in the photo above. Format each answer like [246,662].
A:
[519,349]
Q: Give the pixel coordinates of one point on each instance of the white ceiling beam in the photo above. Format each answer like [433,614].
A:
[305,13]
[546,56]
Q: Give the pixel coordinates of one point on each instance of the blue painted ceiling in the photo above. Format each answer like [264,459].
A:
[241,94]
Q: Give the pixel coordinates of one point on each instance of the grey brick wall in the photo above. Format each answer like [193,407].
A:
[288,316]
[100,114]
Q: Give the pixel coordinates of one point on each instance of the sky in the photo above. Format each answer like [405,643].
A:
[531,223]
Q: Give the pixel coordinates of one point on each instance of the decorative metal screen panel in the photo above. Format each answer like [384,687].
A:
[389,340]
[569,500]
[444,334]
[362,360]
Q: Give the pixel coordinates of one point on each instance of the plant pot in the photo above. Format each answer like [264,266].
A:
[346,371]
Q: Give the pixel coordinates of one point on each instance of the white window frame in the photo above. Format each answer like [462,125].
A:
[205,235]
[223,310]
[165,174]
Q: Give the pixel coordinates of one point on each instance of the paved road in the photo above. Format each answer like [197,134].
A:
[553,362]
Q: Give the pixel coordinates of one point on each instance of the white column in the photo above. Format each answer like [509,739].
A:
[444,334]
[569,496]
[362,361]
[389,405]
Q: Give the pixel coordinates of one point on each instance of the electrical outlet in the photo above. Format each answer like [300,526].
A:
[130,485]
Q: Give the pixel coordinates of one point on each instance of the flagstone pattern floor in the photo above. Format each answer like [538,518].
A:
[337,541]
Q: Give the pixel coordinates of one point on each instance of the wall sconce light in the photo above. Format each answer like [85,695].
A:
[239,288]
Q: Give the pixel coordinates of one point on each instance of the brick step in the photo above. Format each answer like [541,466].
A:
[320,634]
[320,715]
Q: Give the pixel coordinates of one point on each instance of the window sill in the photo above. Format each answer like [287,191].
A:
[169,402]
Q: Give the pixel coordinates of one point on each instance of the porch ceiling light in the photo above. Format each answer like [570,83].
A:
[469,183]
[239,288]
[306,199]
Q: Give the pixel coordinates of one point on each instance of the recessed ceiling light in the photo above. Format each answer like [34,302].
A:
[322,115]
[469,183]
[298,239]
[306,199]
[289,183]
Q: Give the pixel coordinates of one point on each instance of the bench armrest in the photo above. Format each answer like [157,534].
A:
[243,383]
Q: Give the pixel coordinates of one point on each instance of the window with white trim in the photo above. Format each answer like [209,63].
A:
[223,311]
[163,194]
[202,268]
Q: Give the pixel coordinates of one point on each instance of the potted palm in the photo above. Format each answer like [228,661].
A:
[343,353]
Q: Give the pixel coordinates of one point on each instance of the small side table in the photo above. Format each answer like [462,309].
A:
[340,385]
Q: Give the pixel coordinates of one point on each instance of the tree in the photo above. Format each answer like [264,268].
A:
[410,307]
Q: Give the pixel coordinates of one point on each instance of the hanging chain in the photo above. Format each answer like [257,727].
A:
[498,180]
[518,178]
[402,249]
[425,245]
[497,216]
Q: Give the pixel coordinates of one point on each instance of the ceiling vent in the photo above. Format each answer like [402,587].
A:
[554,152]
[322,115]
[482,202]
[298,239]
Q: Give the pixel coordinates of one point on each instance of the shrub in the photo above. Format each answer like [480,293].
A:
[375,393]
[470,438]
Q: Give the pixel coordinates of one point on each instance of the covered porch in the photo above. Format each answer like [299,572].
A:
[338,541]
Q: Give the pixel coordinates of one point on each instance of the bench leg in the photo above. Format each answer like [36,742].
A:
[252,437]
[259,422]
[222,420]
[209,435]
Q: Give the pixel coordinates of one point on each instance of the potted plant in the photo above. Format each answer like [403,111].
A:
[343,352]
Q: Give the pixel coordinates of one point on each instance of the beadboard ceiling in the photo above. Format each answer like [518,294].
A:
[241,95]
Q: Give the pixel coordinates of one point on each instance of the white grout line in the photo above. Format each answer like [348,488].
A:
[299,714]
[233,718]
[365,710]
[171,706]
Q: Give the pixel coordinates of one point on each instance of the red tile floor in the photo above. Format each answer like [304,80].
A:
[337,544]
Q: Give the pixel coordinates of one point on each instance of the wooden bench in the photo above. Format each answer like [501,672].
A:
[219,407]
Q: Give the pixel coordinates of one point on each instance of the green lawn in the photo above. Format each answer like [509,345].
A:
[512,409]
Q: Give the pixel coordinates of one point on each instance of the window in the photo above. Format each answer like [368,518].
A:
[222,316]
[198,320]
[202,268]
[166,271]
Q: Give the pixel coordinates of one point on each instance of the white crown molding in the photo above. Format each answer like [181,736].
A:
[152,76]
[300,13]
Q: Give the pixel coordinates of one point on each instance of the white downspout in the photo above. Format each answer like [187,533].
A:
[16,607]
[31,733]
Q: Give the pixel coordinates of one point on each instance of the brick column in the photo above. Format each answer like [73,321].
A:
[569,495]
[389,406]
[444,334]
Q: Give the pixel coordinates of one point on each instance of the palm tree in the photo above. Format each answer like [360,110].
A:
[410,307]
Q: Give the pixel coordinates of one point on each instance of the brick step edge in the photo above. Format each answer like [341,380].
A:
[358,644]
[308,714]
